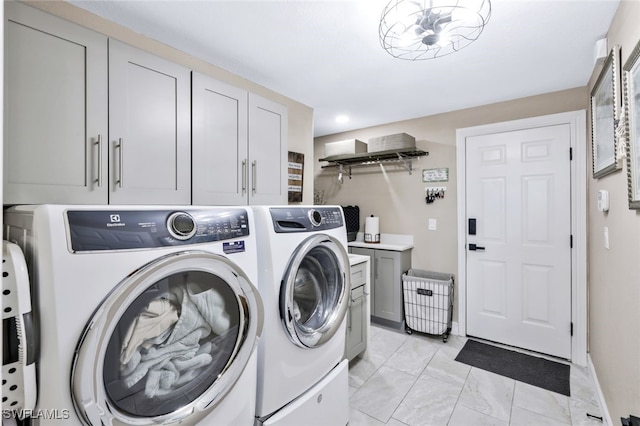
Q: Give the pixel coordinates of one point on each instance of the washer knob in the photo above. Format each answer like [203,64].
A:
[315,217]
[181,226]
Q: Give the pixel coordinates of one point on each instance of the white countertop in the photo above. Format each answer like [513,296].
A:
[354,259]
[394,242]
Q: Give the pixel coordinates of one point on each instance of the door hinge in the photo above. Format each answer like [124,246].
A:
[572,329]
[571,241]
[570,154]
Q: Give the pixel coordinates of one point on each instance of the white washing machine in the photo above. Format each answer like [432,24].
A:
[304,283]
[146,315]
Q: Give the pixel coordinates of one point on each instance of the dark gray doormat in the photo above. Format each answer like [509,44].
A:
[535,371]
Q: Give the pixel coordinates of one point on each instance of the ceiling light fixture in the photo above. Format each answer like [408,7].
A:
[342,119]
[427,29]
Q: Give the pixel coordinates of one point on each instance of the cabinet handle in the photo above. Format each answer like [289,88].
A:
[99,143]
[253,176]
[375,268]
[244,176]
[120,157]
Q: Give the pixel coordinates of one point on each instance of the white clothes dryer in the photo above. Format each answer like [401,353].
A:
[146,315]
[304,284]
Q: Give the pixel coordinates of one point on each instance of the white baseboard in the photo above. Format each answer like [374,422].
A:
[603,404]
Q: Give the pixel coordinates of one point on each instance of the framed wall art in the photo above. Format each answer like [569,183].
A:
[295,176]
[435,175]
[605,99]
[631,96]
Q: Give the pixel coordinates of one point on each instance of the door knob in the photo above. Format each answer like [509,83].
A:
[473,247]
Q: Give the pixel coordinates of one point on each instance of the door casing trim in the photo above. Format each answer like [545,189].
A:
[577,121]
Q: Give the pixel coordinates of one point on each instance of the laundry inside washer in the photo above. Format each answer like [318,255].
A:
[176,346]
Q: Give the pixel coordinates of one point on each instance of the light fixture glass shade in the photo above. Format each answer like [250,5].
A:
[426,29]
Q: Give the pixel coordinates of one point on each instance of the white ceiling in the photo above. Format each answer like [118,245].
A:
[326,54]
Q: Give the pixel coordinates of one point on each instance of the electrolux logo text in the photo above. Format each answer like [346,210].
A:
[115,221]
[44,414]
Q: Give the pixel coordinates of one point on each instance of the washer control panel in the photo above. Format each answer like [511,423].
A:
[305,219]
[90,230]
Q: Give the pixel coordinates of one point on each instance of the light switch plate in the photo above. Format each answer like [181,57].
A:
[433,224]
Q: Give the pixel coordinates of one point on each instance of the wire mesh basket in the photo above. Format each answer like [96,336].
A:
[428,302]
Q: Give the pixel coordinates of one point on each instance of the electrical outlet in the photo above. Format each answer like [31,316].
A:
[433,224]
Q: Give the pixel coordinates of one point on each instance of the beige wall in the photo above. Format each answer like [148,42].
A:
[300,116]
[399,198]
[613,287]
[614,274]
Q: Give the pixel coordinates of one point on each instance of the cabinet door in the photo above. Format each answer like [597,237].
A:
[219,145]
[365,252]
[372,287]
[388,278]
[268,129]
[55,110]
[356,324]
[149,128]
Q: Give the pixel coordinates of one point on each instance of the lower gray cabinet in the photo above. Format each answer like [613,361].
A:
[386,281]
[371,254]
[357,319]
[388,269]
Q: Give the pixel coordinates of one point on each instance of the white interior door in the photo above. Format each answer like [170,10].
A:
[518,190]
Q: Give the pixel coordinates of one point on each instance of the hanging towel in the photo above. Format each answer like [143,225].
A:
[158,317]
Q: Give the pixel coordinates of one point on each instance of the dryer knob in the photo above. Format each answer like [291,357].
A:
[315,217]
[181,226]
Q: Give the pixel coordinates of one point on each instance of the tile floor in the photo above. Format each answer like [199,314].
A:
[414,380]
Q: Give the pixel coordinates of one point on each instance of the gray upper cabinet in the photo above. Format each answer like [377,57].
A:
[268,129]
[55,110]
[220,150]
[149,128]
[239,146]
[90,120]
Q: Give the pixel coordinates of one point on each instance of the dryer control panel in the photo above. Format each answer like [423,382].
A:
[90,230]
[306,219]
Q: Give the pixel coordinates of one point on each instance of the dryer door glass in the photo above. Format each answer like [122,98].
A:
[313,299]
[175,339]
[171,344]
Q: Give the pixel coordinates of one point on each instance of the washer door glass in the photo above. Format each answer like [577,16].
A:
[314,295]
[172,338]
